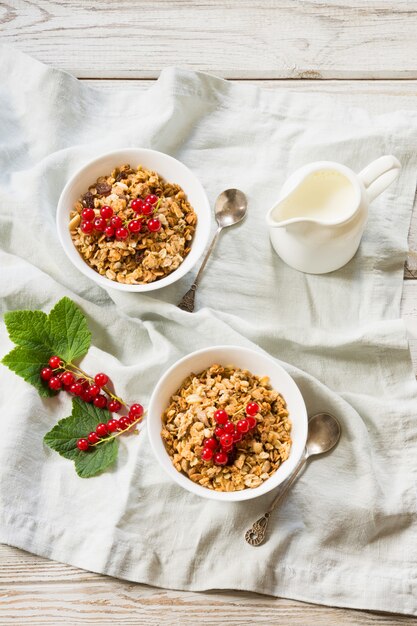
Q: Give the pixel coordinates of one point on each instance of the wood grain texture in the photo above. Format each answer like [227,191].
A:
[233,38]
[45,593]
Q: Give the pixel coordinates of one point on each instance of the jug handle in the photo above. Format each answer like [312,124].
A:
[379,174]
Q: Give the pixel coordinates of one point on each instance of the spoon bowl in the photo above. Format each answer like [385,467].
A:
[323,434]
[230,207]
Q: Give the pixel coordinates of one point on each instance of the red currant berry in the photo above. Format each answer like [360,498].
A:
[76,389]
[122,233]
[87,227]
[135,226]
[93,438]
[54,362]
[252,408]
[54,383]
[112,425]
[227,449]
[114,406]
[106,212]
[100,401]
[252,421]
[226,440]
[100,224]
[116,221]
[218,431]
[154,225]
[124,423]
[82,444]
[147,209]
[93,390]
[136,410]
[243,426]
[220,458]
[109,231]
[85,395]
[237,437]
[67,378]
[210,443]
[137,205]
[207,454]
[88,215]
[46,373]
[101,430]
[221,417]
[151,199]
[101,379]
[84,383]
[229,428]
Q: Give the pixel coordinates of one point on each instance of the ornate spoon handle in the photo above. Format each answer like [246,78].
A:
[256,535]
[188,299]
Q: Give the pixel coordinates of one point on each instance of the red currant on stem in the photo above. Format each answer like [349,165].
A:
[100,401]
[154,225]
[46,373]
[220,458]
[252,408]
[229,428]
[100,224]
[218,431]
[226,440]
[122,233]
[211,442]
[109,231]
[112,425]
[54,383]
[85,395]
[101,430]
[116,221]
[151,198]
[82,444]
[207,454]
[237,437]
[101,379]
[221,417]
[67,378]
[93,438]
[147,209]
[76,389]
[87,227]
[114,406]
[88,215]
[136,410]
[93,390]
[124,423]
[243,426]
[106,212]
[135,226]
[54,362]
[137,205]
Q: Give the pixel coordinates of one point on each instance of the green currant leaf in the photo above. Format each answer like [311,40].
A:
[70,336]
[64,436]
[27,363]
[30,329]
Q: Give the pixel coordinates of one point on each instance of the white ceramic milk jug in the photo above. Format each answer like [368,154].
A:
[317,224]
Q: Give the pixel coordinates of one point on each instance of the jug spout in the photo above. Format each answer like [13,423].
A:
[379,174]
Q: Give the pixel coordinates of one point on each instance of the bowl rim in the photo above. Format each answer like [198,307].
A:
[103,281]
[274,481]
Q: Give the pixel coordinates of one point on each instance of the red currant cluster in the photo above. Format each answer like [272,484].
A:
[221,447]
[113,225]
[59,377]
[113,428]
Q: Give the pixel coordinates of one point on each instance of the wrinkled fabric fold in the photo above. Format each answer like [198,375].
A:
[346,535]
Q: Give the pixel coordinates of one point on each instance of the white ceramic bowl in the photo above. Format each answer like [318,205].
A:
[257,363]
[173,171]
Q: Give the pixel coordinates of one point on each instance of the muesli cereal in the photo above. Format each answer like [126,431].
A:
[189,422]
[132,226]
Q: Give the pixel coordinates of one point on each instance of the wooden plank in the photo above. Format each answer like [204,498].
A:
[39,592]
[235,39]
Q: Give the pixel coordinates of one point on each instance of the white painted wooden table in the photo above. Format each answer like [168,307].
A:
[363,53]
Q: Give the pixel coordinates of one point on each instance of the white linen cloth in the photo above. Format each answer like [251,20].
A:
[346,534]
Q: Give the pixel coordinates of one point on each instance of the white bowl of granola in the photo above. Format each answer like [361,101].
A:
[114,234]
[193,395]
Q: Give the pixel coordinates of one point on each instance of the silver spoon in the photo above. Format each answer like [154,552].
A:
[230,208]
[323,434]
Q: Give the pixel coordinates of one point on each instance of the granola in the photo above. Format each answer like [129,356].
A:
[189,420]
[144,256]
